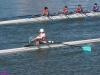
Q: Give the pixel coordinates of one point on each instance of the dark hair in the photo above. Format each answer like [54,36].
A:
[65,6]
[79,5]
[95,3]
[45,8]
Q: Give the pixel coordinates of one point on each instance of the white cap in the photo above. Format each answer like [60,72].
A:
[41,30]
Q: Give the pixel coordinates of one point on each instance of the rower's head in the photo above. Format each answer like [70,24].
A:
[41,30]
[79,5]
[65,6]
[45,8]
[95,4]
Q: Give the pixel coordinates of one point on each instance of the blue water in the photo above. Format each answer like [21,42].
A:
[61,61]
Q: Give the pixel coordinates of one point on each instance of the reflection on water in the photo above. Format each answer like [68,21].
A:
[41,56]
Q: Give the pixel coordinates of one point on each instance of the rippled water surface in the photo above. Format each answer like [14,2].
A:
[60,61]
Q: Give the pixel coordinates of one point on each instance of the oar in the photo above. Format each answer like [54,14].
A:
[29,40]
[96,13]
[29,16]
[70,19]
[24,16]
[90,17]
[53,21]
[50,18]
[85,48]
[66,15]
[83,15]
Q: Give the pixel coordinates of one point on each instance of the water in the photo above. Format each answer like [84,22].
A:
[61,61]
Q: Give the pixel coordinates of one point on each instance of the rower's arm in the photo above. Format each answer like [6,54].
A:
[38,37]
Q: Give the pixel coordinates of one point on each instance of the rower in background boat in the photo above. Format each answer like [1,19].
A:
[95,8]
[65,10]
[46,11]
[41,38]
[79,9]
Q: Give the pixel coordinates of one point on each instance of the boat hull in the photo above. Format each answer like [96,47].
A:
[49,46]
[32,48]
[56,17]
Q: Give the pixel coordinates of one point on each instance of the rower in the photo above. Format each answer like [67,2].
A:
[46,11]
[79,9]
[95,8]
[41,38]
[65,10]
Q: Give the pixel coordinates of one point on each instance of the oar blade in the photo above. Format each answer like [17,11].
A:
[28,16]
[30,38]
[86,48]
[53,21]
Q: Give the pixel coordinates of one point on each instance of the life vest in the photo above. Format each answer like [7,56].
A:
[46,12]
[65,10]
[79,9]
[95,8]
[43,38]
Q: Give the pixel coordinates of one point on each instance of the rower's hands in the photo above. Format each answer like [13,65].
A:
[33,39]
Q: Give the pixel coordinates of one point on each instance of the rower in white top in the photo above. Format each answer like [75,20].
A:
[41,38]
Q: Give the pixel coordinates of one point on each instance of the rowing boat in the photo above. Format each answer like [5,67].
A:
[53,17]
[52,45]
